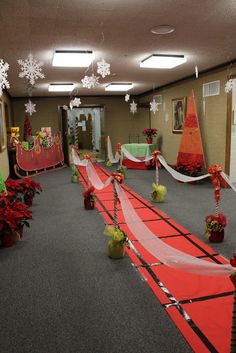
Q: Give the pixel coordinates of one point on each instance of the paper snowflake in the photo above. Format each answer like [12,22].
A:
[103,68]
[31,69]
[154,106]
[133,107]
[90,81]
[127,96]
[30,107]
[75,103]
[229,86]
[3,76]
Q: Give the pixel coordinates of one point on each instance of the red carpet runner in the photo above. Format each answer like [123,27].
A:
[200,306]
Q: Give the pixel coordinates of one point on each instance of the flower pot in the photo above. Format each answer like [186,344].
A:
[28,200]
[8,240]
[88,203]
[74,179]
[149,140]
[116,250]
[216,237]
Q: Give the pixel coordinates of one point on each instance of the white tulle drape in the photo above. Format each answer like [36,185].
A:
[178,176]
[76,160]
[110,154]
[163,252]
[131,157]
[94,178]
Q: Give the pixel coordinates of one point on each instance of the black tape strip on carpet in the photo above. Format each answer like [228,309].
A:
[165,219]
[173,301]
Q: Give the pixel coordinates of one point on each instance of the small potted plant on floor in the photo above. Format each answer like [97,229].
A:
[30,189]
[89,198]
[13,216]
[215,228]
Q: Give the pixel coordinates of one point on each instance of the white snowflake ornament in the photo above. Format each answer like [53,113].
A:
[65,107]
[30,107]
[133,107]
[127,96]
[90,81]
[154,106]
[31,69]
[3,76]
[103,68]
[229,86]
[75,103]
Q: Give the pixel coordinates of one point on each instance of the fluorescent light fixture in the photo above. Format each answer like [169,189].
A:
[72,58]
[163,61]
[119,87]
[61,87]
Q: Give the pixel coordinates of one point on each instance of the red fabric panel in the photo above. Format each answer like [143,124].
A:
[133,165]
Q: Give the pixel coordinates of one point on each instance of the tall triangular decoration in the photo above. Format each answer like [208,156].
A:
[190,158]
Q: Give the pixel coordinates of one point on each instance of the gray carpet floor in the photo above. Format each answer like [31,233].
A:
[60,293]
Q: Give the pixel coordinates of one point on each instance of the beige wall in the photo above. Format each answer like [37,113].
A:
[212,124]
[118,121]
[4,163]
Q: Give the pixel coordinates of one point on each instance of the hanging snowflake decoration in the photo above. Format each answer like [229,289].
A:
[3,76]
[133,107]
[31,69]
[30,107]
[154,106]
[65,107]
[229,86]
[90,81]
[127,96]
[103,68]
[75,103]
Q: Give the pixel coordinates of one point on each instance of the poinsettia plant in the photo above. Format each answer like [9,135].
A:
[30,188]
[13,215]
[191,169]
[14,190]
[150,132]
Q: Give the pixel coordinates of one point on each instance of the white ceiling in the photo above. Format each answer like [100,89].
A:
[119,32]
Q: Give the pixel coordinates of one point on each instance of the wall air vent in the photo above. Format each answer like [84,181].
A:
[158,98]
[211,89]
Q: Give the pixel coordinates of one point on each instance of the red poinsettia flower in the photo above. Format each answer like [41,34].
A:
[150,132]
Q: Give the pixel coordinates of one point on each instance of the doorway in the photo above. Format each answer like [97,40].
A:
[85,129]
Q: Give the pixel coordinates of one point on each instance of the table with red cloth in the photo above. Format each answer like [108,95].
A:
[139,151]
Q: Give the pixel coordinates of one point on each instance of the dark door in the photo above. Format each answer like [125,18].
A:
[64,132]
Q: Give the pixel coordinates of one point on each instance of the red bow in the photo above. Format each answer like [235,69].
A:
[217,180]
[87,156]
[88,192]
[155,155]
[118,177]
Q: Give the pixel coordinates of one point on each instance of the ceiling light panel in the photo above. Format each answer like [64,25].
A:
[122,87]
[69,58]
[62,87]
[163,61]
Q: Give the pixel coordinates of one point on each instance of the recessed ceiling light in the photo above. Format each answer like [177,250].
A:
[61,87]
[163,61]
[72,58]
[163,29]
[119,87]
